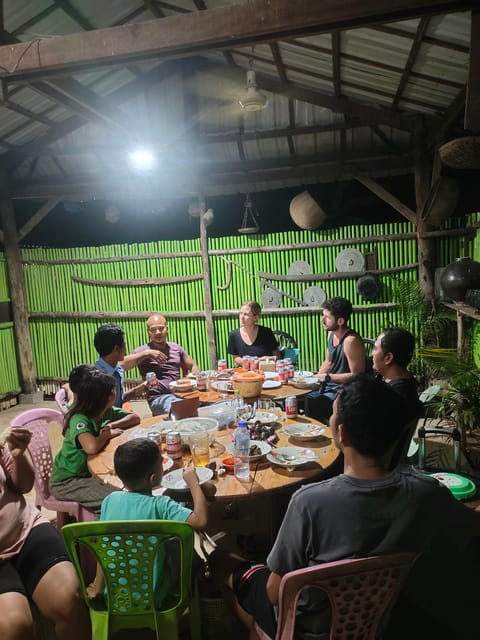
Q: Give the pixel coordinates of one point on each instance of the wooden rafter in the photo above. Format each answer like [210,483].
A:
[412,57]
[385,195]
[190,34]
[282,74]
[308,168]
[472,102]
[37,218]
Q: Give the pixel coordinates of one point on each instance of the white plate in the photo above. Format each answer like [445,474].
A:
[175,387]
[304,383]
[263,446]
[303,374]
[269,375]
[222,386]
[264,417]
[174,479]
[305,431]
[271,384]
[300,456]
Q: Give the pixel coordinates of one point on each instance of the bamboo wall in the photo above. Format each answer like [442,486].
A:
[62,333]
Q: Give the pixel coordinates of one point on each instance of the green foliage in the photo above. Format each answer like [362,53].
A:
[459,403]
[419,315]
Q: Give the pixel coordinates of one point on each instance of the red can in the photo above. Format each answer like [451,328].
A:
[202,381]
[254,364]
[291,409]
[222,365]
[283,374]
[173,441]
[246,360]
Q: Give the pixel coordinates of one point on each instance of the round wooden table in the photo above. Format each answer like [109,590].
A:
[265,477]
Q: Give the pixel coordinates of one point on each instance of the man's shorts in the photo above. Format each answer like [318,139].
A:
[43,548]
[249,584]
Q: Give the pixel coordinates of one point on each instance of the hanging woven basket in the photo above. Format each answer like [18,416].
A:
[461,153]
[306,213]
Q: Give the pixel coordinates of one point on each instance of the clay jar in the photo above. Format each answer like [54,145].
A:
[459,276]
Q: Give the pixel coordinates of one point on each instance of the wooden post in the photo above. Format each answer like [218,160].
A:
[422,186]
[212,352]
[17,291]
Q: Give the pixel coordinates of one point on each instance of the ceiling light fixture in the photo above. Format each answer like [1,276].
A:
[253,100]
[142,159]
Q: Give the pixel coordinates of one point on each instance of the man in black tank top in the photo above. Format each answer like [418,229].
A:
[345,357]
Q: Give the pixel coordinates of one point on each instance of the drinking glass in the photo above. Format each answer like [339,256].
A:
[200,448]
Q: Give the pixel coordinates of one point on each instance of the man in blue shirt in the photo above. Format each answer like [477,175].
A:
[109,341]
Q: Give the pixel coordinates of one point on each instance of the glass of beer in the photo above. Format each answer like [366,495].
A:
[200,448]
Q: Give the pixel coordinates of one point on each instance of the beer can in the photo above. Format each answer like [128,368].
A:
[222,365]
[283,374]
[246,362]
[173,441]
[278,365]
[202,381]
[155,437]
[291,372]
[291,410]
[151,379]
[254,364]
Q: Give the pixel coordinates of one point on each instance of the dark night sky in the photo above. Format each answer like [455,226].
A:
[84,224]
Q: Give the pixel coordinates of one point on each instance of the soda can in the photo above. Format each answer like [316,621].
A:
[246,362]
[173,441]
[151,379]
[278,365]
[222,365]
[155,437]
[291,409]
[254,364]
[291,372]
[283,374]
[202,381]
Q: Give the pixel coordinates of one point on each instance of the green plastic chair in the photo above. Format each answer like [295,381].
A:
[126,551]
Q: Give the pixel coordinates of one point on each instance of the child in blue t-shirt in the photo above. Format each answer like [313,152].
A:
[138,464]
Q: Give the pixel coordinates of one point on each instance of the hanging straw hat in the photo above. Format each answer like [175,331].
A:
[461,153]
[305,212]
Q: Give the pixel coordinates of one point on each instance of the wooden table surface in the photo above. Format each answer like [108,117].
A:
[264,477]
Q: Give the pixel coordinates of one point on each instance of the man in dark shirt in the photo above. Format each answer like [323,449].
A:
[345,356]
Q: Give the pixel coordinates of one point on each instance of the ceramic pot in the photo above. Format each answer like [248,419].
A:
[459,276]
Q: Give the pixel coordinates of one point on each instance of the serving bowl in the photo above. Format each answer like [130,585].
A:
[247,384]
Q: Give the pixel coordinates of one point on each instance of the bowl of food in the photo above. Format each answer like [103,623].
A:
[304,383]
[183,385]
[224,412]
[188,426]
[228,463]
[247,384]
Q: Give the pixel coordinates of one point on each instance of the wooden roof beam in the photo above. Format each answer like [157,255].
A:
[472,102]
[37,218]
[183,182]
[193,33]
[412,57]
[385,195]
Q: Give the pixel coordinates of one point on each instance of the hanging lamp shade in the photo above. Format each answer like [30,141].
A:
[305,212]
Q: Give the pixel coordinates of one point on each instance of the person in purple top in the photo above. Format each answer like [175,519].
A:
[163,358]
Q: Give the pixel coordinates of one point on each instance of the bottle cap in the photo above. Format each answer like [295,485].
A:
[242,423]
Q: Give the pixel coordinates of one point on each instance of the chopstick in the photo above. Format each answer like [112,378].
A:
[254,476]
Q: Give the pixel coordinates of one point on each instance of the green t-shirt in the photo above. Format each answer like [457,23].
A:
[71,460]
[124,505]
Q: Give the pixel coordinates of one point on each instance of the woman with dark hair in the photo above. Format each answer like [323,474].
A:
[251,339]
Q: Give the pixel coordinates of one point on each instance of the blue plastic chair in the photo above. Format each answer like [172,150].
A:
[127,552]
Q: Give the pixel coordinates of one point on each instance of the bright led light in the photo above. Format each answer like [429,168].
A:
[142,159]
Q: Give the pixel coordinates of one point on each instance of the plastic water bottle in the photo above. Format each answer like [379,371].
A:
[241,444]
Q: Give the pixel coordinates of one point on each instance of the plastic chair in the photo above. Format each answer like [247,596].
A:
[130,584]
[368,343]
[61,399]
[287,346]
[360,590]
[38,421]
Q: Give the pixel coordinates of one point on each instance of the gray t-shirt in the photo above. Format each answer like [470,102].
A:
[345,517]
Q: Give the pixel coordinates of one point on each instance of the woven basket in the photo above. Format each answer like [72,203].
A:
[461,153]
[305,212]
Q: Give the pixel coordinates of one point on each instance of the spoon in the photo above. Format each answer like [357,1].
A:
[285,457]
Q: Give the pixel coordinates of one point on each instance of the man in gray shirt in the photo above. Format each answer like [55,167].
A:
[365,511]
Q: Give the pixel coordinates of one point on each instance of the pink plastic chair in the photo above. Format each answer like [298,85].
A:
[61,399]
[360,592]
[37,421]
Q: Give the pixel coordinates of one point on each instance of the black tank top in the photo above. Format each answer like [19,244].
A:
[337,356]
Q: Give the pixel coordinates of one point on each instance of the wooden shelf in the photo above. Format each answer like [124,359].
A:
[463,309]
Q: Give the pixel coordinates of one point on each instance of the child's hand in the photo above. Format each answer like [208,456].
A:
[110,432]
[18,440]
[94,590]
[190,477]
